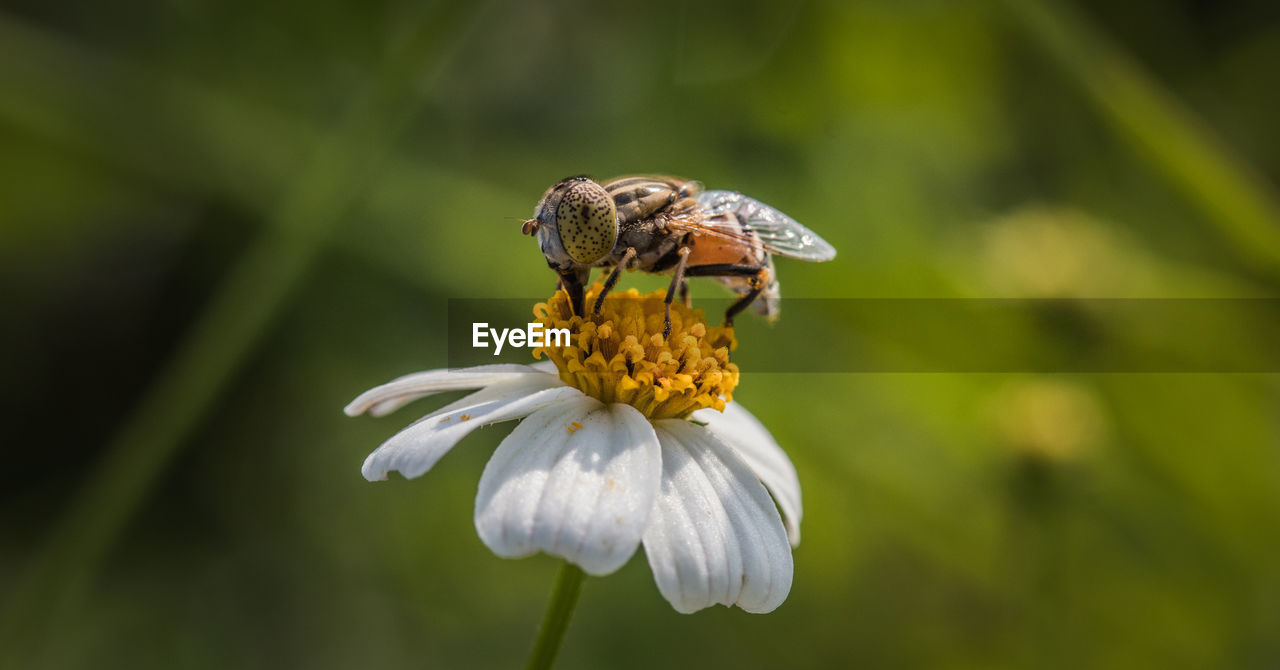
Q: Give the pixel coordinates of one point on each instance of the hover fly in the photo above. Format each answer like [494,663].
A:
[668,225]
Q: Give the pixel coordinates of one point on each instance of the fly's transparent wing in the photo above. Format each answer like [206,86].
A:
[779,233]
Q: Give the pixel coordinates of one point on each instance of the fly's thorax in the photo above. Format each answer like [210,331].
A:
[650,240]
[642,197]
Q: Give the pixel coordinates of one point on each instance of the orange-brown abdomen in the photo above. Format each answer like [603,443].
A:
[715,250]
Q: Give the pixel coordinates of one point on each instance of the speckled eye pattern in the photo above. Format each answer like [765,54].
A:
[588,222]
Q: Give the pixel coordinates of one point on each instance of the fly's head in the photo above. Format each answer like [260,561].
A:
[576,223]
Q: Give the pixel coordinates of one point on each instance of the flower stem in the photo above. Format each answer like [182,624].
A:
[556,621]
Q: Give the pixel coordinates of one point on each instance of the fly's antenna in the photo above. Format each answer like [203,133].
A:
[528,226]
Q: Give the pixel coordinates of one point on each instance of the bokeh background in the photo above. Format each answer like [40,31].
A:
[219,221]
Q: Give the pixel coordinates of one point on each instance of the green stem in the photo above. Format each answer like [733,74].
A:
[556,621]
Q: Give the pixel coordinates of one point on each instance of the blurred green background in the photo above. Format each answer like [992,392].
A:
[219,221]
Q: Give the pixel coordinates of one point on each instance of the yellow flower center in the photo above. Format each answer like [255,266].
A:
[620,355]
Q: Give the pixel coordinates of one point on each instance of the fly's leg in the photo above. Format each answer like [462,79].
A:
[758,282]
[613,279]
[759,278]
[677,278]
[684,294]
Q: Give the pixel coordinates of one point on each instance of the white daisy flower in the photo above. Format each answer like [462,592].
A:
[625,439]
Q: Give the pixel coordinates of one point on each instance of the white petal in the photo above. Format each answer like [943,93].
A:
[415,449]
[742,431]
[545,366]
[714,535]
[583,495]
[389,397]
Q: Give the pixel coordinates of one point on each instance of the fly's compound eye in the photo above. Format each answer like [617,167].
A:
[588,222]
